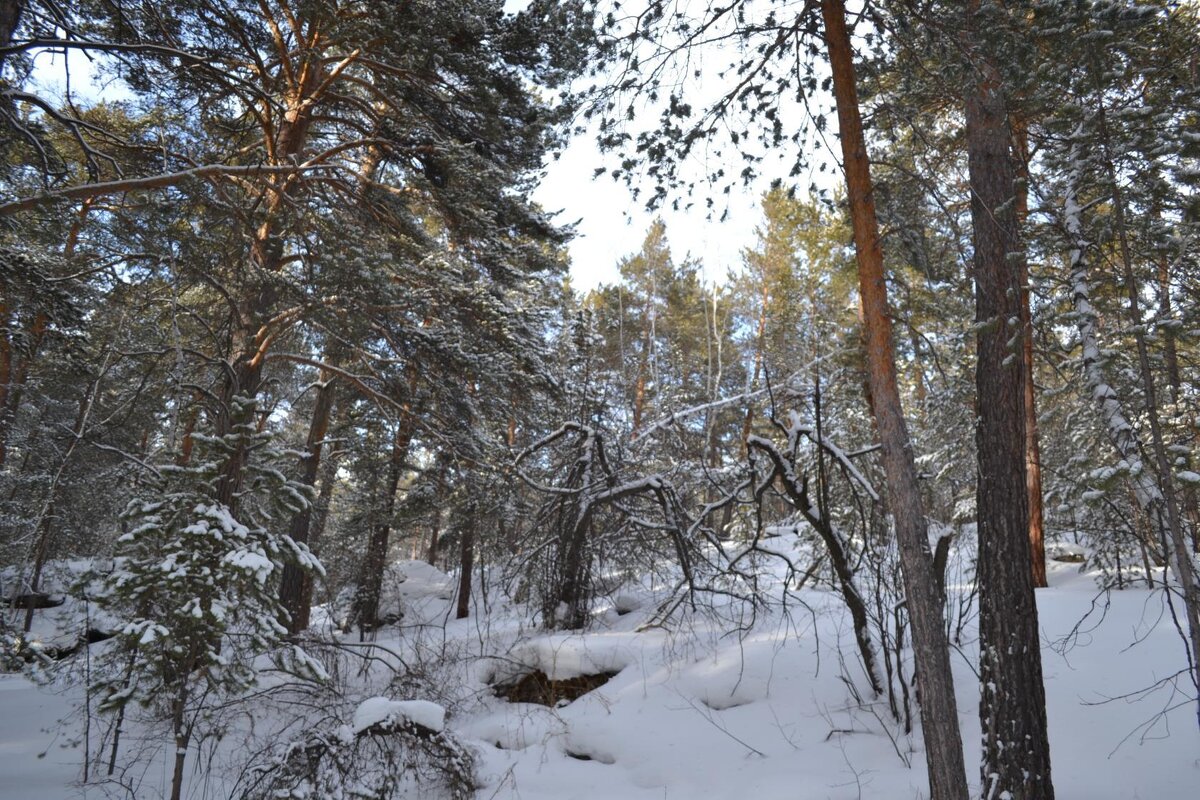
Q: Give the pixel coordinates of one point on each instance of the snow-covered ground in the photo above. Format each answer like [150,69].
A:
[697,711]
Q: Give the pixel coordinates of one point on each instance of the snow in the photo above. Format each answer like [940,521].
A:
[376,710]
[699,709]
[252,561]
[563,656]
[35,760]
[1065,551]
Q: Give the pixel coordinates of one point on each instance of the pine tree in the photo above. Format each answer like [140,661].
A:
[194,585]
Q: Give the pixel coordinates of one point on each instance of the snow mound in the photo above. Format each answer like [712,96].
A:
[626,602]
[412,579]
[378,710]
[514,728]
[564,656]
[1067,552]
[728,679]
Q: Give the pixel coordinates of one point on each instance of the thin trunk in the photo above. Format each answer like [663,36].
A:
[295,587]
[509,522]
[918,370]
[840,558]
[182,738]
[760,344]
[436,522]
[118,724]
[18,374]
[1016,749]
[939,710]
[639,389]
[466,562]
[44,527]
[1033,449]
[1176,547]
[6,370]
[370,585]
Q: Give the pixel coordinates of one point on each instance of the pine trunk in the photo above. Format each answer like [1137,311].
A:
[1016,750]
[10,16]
[370,585]
[466,563]
[939,710]
[295,587]
[1033,448]
[1191,506]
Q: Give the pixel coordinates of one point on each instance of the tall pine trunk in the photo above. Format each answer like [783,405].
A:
[1033,447]
[466,561]
[254,324]
[295,587]
[370,585]
[1016,749]
[939,710]
[1191,506]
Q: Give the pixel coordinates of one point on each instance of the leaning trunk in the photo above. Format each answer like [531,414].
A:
[939,711]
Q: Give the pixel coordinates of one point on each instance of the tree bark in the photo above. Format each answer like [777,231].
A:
[10,17]
[1016,749]
[370,585]
[639,390]
[939,710]
[1191,507]
[466,562]
[760,343]
[6,365]
[295,587]
[435,525]
[254,326]
[1033,448]
[13,387]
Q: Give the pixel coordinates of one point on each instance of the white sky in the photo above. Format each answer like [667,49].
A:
[612,224]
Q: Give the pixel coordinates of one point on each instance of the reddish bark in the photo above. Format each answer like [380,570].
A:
[1033,449]
[939,713]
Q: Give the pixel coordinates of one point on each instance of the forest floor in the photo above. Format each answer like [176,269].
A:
[693,710]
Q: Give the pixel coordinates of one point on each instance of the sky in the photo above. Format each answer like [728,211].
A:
[612,224]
